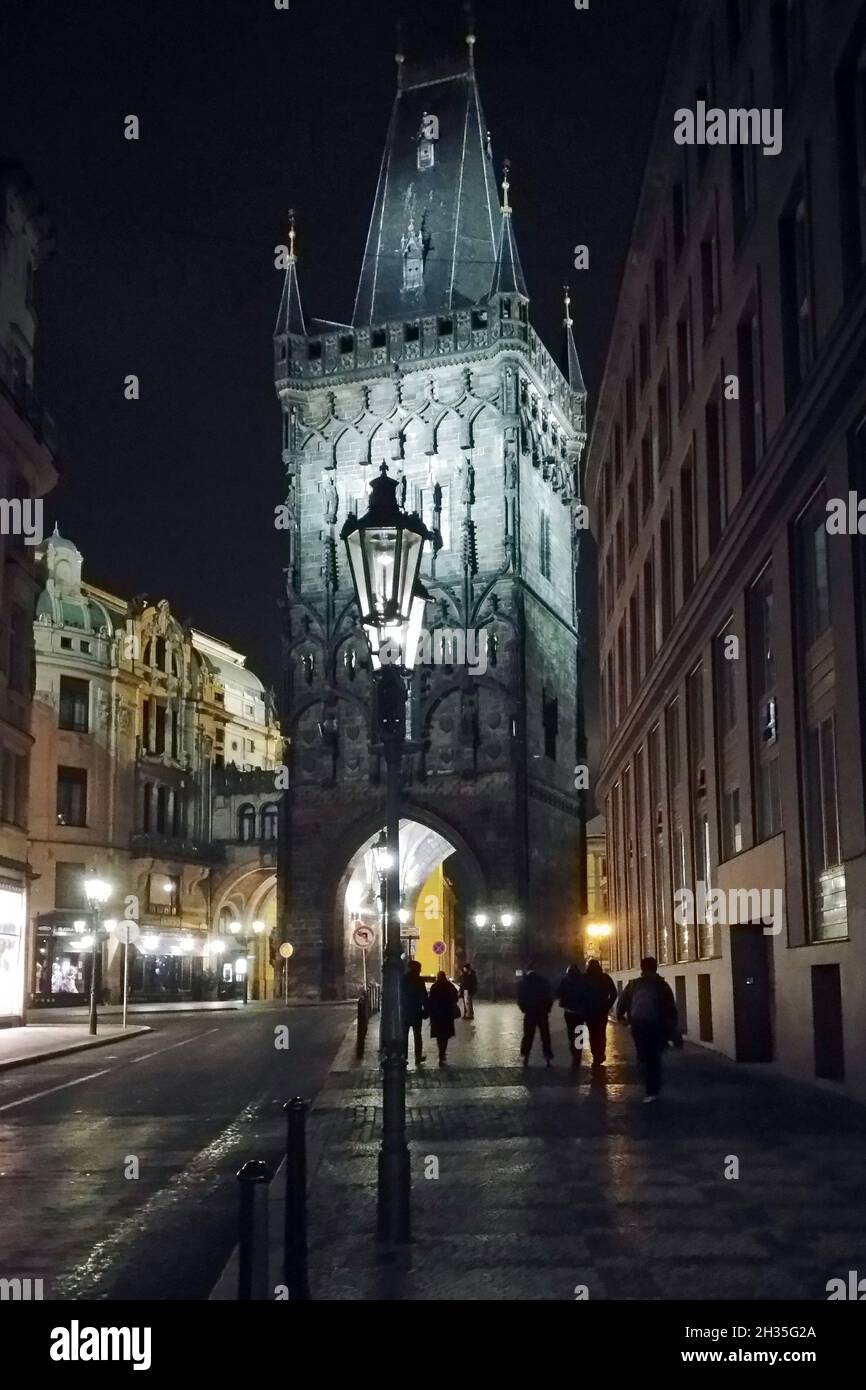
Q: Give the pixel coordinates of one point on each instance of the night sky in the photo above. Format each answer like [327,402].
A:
[164,261]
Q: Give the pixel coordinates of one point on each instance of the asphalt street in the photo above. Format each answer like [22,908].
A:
[117,1165]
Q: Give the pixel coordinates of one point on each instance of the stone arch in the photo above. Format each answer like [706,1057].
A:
[345,853]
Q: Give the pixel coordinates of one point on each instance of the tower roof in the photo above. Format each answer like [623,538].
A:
[290,318]
[508,275]
[570,362]
[432,240]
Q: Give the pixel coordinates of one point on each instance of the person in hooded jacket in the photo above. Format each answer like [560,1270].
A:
[600,992]
[572,996]
[442,1009]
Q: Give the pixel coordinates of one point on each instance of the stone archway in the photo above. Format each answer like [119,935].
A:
[428,844]
[249,893]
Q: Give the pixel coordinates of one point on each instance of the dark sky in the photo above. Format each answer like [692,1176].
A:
[164,262]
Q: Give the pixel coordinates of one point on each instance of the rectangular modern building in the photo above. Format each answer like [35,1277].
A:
[725,476]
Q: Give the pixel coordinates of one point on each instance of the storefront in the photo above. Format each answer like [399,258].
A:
[62,961]
[13,916]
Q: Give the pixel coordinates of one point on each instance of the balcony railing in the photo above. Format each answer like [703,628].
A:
[169,847]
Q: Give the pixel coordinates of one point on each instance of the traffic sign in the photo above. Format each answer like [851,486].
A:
[127,933]
[287,950]
[363,936]
[410,933]
[439,948]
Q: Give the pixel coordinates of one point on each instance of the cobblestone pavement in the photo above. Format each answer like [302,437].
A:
[552,1179]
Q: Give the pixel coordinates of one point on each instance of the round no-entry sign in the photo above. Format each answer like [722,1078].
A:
[363,937]
[439,948]
[126,932]
[287,950]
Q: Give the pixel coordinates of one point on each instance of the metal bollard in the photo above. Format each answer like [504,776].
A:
[253,1282]
[363,1016]
[295,1274]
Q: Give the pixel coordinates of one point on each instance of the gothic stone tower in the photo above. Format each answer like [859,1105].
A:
[440,376]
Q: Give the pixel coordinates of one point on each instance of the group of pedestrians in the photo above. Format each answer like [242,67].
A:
[586,1000]
[441,1006]
[646,1004]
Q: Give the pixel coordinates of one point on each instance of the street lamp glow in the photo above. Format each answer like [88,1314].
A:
[234,928]
[259,927]
[405,915]
[150,942]
[598,929]
[506,919]
[217,947]
[96,891]
[481,919]
[382,856]
[168,886]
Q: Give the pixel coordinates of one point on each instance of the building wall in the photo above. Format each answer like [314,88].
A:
[136,708]
[778,305]
[27,472]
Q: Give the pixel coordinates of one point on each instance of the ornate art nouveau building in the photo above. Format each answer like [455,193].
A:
[441,377]
[154,748]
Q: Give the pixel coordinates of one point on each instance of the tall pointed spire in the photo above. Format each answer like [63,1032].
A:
[508,274]
[436,174]
[570,362]
[291,316]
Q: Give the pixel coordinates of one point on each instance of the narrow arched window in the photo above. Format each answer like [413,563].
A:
[270,822]
[247,824]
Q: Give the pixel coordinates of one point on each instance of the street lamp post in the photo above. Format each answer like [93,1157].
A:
[384,548]
[97,893]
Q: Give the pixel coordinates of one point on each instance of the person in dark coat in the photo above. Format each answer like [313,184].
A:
[413,1007]
[648,1006]
[468,990]
[572,996]
[535,1000]
[443,1008]
[600,992]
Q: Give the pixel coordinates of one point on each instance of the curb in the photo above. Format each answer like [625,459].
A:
[225,1288]
[73,1047]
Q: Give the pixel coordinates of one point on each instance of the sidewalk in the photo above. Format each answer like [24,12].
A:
[549,1180]
[35,1043]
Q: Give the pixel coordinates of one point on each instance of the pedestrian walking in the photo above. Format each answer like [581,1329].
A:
[443,1008]
[600,992]
[572,997]
[468,990]
[535,1000]
[413,1006]
[649,1007]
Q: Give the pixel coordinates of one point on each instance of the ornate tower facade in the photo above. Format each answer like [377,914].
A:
[441,377]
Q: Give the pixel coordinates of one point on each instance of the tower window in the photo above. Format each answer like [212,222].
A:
[544,546]
[550,722]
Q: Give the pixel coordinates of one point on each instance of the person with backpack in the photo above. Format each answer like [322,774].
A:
[600,992]
[648,1006]
[573,999]
[535,1000]
[468,990]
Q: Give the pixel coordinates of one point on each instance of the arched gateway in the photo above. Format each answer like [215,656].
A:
[441,377]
